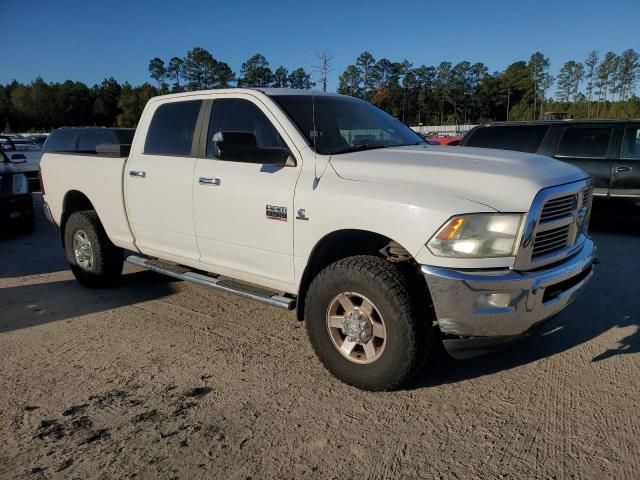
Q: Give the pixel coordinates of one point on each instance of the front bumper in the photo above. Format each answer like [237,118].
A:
[471,323]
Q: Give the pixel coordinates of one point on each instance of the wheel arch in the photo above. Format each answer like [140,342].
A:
[74,201]
[335,246]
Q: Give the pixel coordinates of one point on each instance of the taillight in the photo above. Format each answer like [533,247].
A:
[41,182]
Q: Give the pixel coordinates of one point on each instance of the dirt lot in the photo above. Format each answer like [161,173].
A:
[164,379]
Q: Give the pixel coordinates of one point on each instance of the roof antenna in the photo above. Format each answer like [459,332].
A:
[316,179]
[314,132]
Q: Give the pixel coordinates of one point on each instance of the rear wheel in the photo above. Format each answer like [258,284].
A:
[365,325]
[94,260]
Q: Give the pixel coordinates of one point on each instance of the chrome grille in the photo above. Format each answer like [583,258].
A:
[558,207]
[550,240]
[587,198]
[556,225]
[587,193]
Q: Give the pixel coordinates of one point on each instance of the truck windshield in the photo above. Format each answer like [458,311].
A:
[345,124]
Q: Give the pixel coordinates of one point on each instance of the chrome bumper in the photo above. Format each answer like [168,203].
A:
[461,306]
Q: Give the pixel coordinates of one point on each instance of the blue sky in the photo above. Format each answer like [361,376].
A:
[90,40]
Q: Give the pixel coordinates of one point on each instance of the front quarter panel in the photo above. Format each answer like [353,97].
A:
[408,216]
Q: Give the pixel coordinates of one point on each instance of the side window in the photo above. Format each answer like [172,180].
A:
[587,142]
[523,138]
[243,121]
[172,128]
[631,144]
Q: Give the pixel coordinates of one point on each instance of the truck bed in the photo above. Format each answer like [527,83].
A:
[98,176]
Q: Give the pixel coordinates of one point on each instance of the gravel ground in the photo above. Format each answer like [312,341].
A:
[165,379]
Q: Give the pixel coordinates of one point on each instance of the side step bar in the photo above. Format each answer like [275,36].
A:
[229,286]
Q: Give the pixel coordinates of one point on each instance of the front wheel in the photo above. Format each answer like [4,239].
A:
[365,325]
[94,260]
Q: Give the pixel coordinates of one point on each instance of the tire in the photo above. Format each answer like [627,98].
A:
[106,262]
[398,304]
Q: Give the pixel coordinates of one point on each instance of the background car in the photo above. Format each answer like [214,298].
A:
[423,136]
[609,150]
[449,141]
[28,153]
[85,139]
[38,139]
[16,203]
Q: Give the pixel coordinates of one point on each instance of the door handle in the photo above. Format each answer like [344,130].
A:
[623,169]
[137,173]
[209,181]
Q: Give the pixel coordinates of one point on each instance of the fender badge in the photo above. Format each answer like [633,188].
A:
[302,215]
[276,213]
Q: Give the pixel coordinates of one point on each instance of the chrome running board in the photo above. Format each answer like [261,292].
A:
[229,286]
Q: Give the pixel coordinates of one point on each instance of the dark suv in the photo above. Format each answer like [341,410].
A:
[85,139]
[16,204]
[609,150]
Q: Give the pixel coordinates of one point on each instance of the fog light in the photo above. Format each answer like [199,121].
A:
[494,300]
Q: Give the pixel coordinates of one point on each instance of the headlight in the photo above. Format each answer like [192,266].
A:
[20,184]
[478,235]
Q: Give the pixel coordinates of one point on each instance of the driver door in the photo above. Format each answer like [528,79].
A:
[243,207]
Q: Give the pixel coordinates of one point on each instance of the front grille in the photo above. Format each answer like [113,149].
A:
[556,225]
[550,241]
[587,197]
[558,208]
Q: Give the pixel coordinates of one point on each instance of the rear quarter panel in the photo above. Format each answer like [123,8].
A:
[99,179]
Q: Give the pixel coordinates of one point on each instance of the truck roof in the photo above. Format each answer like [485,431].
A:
[568,121]
[266,90]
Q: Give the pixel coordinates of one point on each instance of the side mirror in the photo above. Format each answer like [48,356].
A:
[18,158]
[243,147]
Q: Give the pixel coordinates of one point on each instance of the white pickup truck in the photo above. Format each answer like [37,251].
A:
[325,204]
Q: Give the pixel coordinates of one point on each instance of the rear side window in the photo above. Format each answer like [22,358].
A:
[631,144]
[521,138]
[587,142]
[172,128]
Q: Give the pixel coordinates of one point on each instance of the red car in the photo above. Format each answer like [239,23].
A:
[450,141]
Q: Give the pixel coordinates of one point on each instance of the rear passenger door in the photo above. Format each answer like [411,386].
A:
[590,148]
[159,180]
[625,178]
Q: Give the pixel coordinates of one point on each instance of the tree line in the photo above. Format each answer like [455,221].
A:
[468,93]
[598,87]
[42,106]
[199,70]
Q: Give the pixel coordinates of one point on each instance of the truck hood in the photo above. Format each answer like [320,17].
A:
[503,180]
